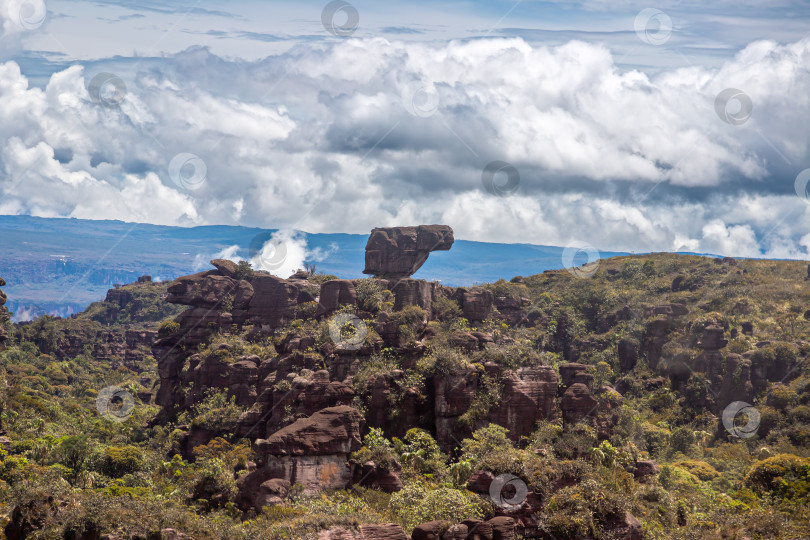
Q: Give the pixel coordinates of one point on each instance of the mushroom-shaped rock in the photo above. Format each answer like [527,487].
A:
[401,251]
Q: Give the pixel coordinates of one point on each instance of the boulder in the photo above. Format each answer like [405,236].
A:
[274,301]
[570,371]
[628,354]
[400,251]
[370,475]
[412,292]
[503,528]
[226,268]
[432,530]
[388,531]
[645,469]
[577,403]
[335,430]
[655,337]
[527,396]
[336,293]
[713,338]
[478,530]
[627,527]
[476,303]
[748,328]
[455,532]
[204,290]
[272,492]
[480,481]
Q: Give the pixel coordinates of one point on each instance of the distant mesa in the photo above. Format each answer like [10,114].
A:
[398,252]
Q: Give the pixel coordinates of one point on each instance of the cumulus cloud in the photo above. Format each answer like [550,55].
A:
[345,136]
[280,253]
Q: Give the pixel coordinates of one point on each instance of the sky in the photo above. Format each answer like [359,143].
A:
[628,126]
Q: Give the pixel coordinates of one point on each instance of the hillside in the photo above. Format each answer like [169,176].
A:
[657,396]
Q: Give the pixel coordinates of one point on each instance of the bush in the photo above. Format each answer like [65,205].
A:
[418,502]
[700,469]
[244,270]
[446,309]
[584,510]
[410,321]
[783,474]
[491,449]
[116,461]
[168,328]
[378,449]
[371,295]
[421,452]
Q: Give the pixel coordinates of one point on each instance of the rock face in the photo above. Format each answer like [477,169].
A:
[398,252]
[4,317]
[577,403]
[527,396]
[217,301]
[476,303]
[628,354]
[311,451]
[336,293]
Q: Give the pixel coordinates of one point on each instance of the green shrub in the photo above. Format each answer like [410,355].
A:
[700,469]
[446,309]
[784,474]
[376,448]
[116,461]
[419,502]
[168,328]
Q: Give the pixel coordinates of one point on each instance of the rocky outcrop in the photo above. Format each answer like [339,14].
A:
[413,292]
[312,452]
[645,470]
[574,372]
[512,310]
[371,475]
[527,396]
[388,531]
[713,338]
[577,403]
[627,350]
[217,301]
[336,293]
[655,337]
[4,316]
[476,303]
[497,528]
[398,252]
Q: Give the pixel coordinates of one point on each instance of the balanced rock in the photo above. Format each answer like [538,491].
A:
[398,252]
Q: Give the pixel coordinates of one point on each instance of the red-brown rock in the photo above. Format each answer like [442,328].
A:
[432,530]
[226,268]
[401,251]
[503,528]
[336,293]
[335,430]
[577,403]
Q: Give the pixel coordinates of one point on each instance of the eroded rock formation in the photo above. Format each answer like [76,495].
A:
[397,252]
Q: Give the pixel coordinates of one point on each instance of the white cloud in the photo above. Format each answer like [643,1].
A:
[319,140]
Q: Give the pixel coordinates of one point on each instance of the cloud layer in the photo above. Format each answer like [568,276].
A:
[345,136]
